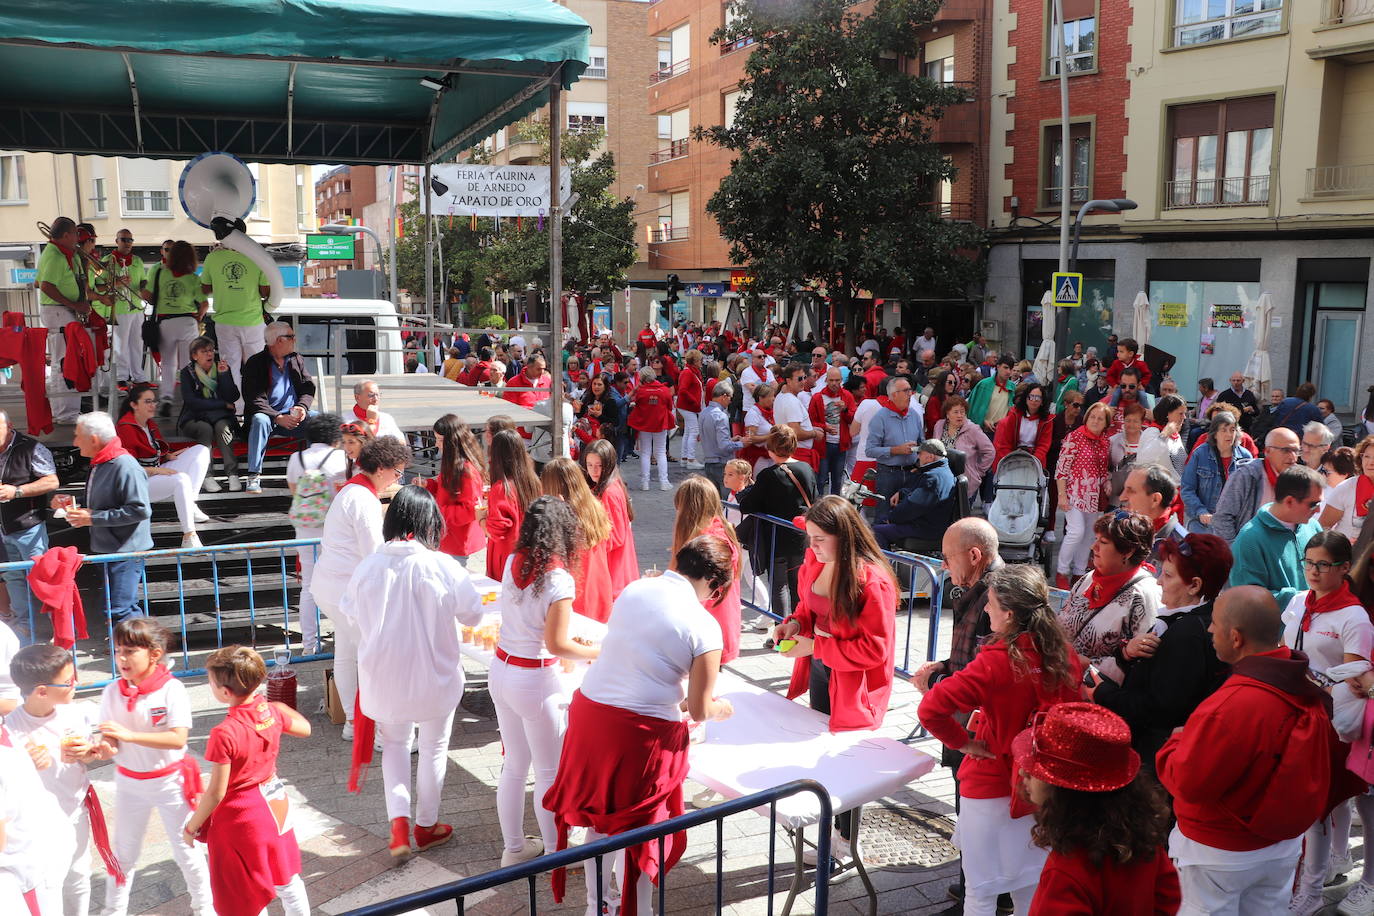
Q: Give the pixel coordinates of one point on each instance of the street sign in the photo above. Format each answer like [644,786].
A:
[329,247]
[1068,289]
[21,276]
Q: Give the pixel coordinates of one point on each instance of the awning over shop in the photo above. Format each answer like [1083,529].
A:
[335,81]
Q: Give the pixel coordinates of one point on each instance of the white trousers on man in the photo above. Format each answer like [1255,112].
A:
[135,801]
[181,488]
[66,405]
[1262,888]
[432,747]
[175,335]
[531,711]
[236,344]
[128,333]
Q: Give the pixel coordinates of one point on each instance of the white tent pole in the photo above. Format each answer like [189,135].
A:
[556,264]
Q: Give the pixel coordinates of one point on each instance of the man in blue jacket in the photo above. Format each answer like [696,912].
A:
[1269,549]
[924,507]
[893,434]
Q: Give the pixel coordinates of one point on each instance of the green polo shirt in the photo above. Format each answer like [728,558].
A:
[53,268]
[234,281]
[137,275]
[178,295]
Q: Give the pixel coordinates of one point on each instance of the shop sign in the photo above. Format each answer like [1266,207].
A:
[1173,314]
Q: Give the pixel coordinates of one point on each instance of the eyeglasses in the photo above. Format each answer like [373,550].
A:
[286,337]
[1290,449]
[1321,566]
[69,683]
[1035,397]
[1125,387]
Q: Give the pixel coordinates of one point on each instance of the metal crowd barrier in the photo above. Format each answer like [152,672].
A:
[529,872]
[262,562]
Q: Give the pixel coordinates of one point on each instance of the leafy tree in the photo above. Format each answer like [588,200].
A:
[835,169]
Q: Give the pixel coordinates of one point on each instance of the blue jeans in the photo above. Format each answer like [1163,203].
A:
[260,429]
[832,469]
[890,480]
[123,578]
[23,545]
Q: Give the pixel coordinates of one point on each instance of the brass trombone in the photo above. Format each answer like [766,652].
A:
[104,274]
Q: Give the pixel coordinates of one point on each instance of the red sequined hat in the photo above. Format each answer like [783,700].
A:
[1079,746]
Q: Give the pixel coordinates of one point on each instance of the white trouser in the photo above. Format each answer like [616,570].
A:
[182,487]
[236,344]
[1077,545]
[175,336]
[76,877]
[1262,888]
[294,901]
[531,711]
[1316,855]
[691,432]
[55,319]
[346,638]
[309,610]
[135,800]
[129,348]
[432,742]
[658,442]
[986,904]
[644,887]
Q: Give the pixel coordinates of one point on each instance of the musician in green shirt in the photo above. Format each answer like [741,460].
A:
[239,290]
[62,299]
[129,278]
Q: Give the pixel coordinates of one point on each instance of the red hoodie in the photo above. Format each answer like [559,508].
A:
[816,410]
[1114,373]
[652,410]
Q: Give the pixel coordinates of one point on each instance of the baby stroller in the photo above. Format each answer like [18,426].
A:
[1020,508]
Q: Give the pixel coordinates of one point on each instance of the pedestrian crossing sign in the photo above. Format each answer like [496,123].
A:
[1068,289]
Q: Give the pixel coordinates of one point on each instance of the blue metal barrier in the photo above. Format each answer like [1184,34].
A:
[529,872]
[269,554]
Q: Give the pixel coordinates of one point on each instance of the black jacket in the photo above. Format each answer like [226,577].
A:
[257,383]
[773,493]
[211,410]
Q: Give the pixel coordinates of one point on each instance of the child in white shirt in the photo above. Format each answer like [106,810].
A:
[32,850]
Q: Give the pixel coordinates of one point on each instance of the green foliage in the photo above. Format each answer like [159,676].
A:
[835,168]
[492,321]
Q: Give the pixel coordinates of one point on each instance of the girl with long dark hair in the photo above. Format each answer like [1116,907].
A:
[514,485]
[458,488]
[598,462]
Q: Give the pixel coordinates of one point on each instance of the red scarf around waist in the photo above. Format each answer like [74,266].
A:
[1364,492]
[1342,597]
[885,401]
[1104,588]
[155,679]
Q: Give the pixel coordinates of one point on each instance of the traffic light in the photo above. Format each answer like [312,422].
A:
[674,287]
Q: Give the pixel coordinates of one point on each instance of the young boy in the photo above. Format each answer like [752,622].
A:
[33,851]
[57,732]
[1126,355]
[145,717]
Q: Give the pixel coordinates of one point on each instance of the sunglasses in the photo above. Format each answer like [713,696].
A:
[123,239]
[1129,387]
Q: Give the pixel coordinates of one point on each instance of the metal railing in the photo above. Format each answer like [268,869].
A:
[670,71]
[529,872]
[1341,180]
[271,573]
[1217,192]
[668,234]
[674,150]
[1346,12]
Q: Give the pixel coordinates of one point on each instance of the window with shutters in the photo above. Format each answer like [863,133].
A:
[1077,35]
[1080,164]
[144,188]
[1199,22]
[596,69]
[1221,153]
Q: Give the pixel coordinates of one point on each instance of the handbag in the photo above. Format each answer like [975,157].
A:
[152,332]
[796,483]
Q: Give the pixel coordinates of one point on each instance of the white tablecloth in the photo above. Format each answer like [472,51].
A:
[771,740]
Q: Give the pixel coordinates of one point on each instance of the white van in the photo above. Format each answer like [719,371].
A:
[372,336]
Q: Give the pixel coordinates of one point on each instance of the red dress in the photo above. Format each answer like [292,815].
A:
[594,593]
[463,535]
[621,559]
[504,515]
[727,609]
[250,855]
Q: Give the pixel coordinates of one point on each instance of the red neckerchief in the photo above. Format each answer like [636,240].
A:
[155,679]
[122,259]
[1340,598]
[362,415]
[181,274]
[766,414]
[109,452]
[362,480]
[1089,434]
[1364,492]
[1164,519]
[1104,588]
[885,401]
[1272,474]
[67,253]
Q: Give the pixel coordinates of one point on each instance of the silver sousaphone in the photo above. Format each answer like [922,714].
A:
[217,191]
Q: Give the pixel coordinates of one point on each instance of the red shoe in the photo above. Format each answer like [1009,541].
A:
[400,838]
[425,837]
[1062,581]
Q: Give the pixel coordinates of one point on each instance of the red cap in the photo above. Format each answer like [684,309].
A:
[1079,746]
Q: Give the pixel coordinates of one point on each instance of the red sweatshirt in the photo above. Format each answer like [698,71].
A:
[504,515]
[689,390]
[875,378]
[1114,373]
[136,441]
[1070,885]
[463,536]
[652,408]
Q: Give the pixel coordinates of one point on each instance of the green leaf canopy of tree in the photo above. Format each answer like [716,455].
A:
[835,172]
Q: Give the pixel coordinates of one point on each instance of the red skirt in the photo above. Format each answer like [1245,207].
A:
[249,857]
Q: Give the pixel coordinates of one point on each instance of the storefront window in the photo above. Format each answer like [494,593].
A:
[1204,326]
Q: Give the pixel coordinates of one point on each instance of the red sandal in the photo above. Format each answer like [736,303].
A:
[425,837]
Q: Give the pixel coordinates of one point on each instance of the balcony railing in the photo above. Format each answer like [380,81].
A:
[1341,181]
[670,71]
[1217,192]
[675,150]
[668,234]
[952,211]
[730,46]
[1345,12]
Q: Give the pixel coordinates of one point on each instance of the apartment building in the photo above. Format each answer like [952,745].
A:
[341,197]
[1249,150]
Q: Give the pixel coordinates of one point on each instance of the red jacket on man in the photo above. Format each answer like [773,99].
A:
[815,409]
[652,408]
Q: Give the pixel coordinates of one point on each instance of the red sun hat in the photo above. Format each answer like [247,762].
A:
[1079,746]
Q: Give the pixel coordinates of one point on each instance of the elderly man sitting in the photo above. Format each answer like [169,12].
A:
[924,507]
[367,403]
[277,394]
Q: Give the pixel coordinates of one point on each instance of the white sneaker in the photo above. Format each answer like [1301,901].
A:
[254,483]
[533,849]
[665,486]
[211,485]
[200,517]
[1359,902]
[1305,903]
[347,733]
[191,540]
[234,483]
[1338,866]
[644,485]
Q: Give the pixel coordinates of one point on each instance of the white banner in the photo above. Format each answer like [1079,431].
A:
[494,190]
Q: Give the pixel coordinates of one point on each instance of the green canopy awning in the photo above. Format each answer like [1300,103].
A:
[335,81]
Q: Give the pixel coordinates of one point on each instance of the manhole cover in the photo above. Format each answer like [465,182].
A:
[895,836]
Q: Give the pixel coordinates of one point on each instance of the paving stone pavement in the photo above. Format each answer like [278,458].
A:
[342,836]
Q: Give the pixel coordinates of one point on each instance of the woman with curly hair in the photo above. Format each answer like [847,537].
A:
[564,479]
[458,488]
[1027,665]
[537,593]
[514,485]
[599,463]
[700,513]
[1104,823]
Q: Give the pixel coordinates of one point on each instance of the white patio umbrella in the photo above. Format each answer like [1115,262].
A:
[1257,377]
[1043,366]
[1141,321]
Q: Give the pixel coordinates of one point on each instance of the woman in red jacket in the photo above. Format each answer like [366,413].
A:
[651,416]
[599,463]
[689,405]
[844,627]
[458,488]
[564,479]
[1105,825]
[1028,425]
[945,384]
[1025,666]
[514,485]
[176,476]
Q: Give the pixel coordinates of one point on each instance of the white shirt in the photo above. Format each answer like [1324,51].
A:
[387,426]
[1342,498]
[9,644]
[657,628]
[1028,432]
[541,439]
[1190,852]
[787,408]
[863,415]
[164,709]
[749,378]
[1329,636]
[36,833]
[408,602]
[352,531]
[922,344]
[524,610]
[67,782]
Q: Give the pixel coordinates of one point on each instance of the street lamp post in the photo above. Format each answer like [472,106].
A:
[340,229]
[1115,205]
